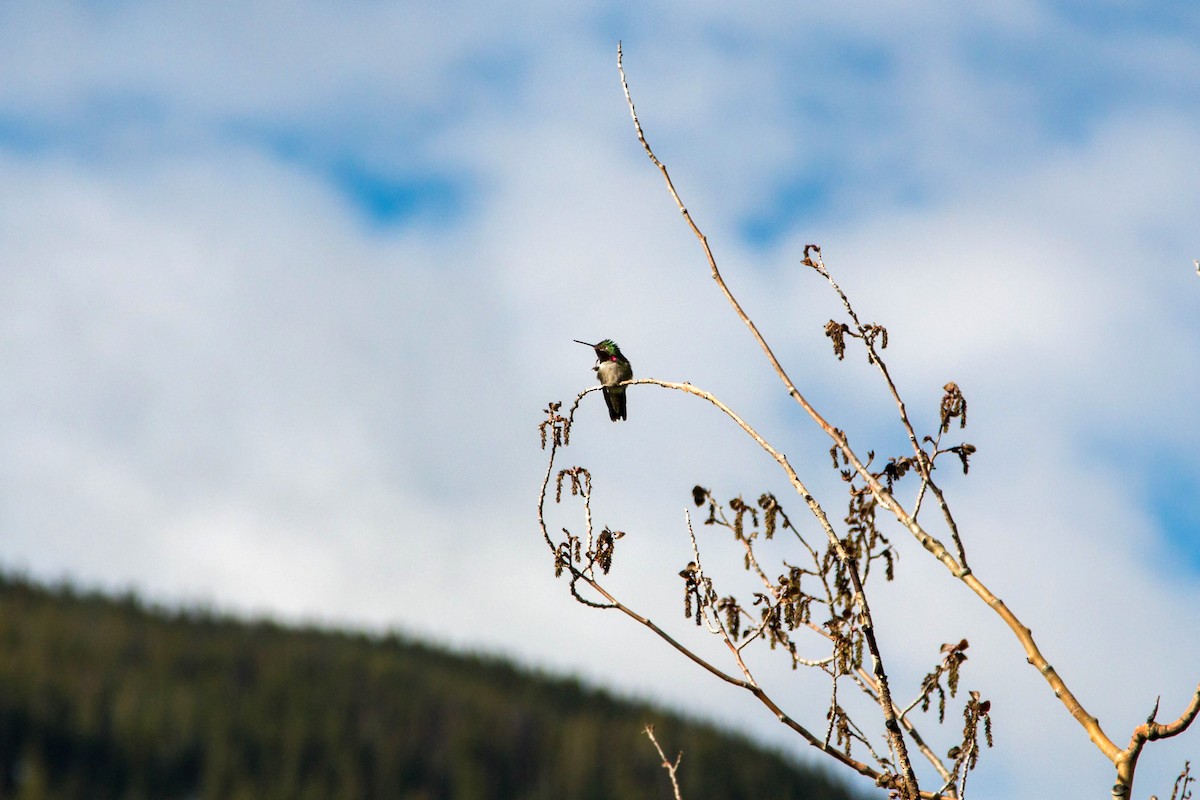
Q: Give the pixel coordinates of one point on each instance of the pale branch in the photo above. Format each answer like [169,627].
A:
[559,428]
[752,688]
[1023,634]
[562,426]
[1125,760]
[669,766]
[924,462]
[1149,731]
[916,512]
[816,662]
[887,706]
[867,684]
[895,737]
[718,625]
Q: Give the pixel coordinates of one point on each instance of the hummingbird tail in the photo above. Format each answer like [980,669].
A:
[616,405]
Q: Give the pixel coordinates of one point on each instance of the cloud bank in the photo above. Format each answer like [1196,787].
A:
[283,295]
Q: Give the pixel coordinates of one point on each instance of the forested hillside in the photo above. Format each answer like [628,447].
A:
[105,698]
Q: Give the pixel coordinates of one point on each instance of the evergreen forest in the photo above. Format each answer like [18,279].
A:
[108,698]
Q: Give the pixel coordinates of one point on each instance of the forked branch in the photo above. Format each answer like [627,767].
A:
[871,492]
[1149,731]
[907,778]
[956,565]
[670,766]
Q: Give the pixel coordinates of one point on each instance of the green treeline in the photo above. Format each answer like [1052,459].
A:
[103,698]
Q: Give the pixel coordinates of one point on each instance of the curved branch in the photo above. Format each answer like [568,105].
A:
[1149,731]
[577,575]
[886,704]
[924,462]
[891,721]
[929,542]
[750,687]
[670,766]
[867,684]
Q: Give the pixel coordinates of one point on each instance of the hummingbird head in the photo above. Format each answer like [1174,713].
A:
[606,350]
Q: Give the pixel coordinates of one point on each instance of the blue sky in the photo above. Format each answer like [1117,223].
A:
[285,291]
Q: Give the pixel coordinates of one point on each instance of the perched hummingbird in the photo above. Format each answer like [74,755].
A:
[612,368]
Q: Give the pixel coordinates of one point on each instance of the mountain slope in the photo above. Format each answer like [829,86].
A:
[103,698]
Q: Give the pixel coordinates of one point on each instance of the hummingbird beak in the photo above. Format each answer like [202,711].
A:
[589,345]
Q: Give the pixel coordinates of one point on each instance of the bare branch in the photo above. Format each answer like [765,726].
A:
[895,737]
[752,688]
[724,615]
[929,542]
[1180,789]
[670,767]
[867,684]
[577,575]
[1149,731]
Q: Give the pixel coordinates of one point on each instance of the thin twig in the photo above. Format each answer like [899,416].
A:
[895,738]
[1033,654]
[1149,731]
[717,625]
[866,684]
[670,767]
[752,688]
[923,460]
[578,575]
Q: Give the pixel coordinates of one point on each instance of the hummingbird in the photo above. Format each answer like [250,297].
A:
[612,367]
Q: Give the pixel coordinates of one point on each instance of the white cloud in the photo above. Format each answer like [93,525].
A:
[222,383]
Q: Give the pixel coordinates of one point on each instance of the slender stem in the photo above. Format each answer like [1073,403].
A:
[670,766]
[866,683]
[924,461]
[750,687]
[1089,722]
[895,737]
[866,623]
[1126,760]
